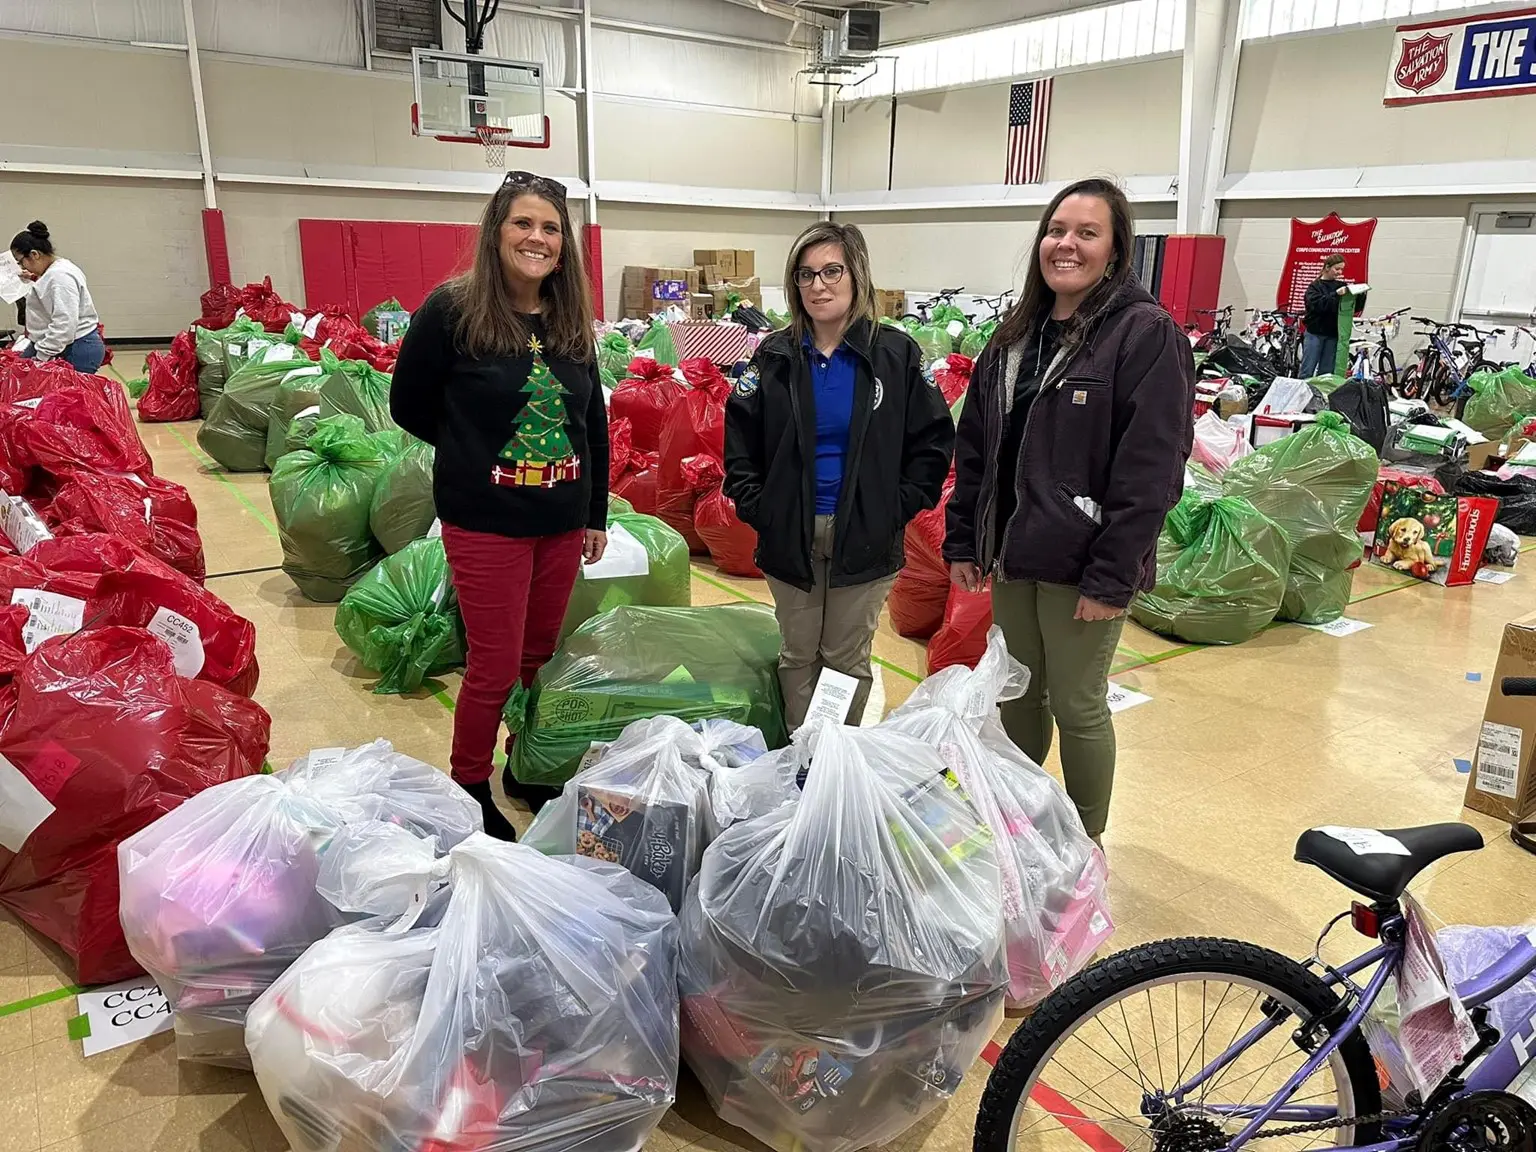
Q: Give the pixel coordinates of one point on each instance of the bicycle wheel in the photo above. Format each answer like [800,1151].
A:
[1386,368]
[1100,1053]
[1410,384]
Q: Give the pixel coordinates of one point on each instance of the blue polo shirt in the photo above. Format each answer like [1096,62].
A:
[832,381]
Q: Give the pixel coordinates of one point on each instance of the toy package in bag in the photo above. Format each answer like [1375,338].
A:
[638,661]
[1055,904]
[220,895]
[500,1019]
[401,619]
[403,505]
[646,562]
[1439,538]
[843,956]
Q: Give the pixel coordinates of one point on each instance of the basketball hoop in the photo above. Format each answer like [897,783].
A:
[494,140]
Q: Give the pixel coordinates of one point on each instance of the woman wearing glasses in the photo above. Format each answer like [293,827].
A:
[833,442]
[498,373]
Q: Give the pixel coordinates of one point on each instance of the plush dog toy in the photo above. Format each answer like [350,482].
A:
[1406,549]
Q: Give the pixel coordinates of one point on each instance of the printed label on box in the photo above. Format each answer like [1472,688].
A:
[49,614]
[1498,759]
[183,637]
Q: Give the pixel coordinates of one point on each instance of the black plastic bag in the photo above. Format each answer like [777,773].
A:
[1517,498]
[1364,404]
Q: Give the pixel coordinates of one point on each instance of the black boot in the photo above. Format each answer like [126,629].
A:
[533,795]
[496,824]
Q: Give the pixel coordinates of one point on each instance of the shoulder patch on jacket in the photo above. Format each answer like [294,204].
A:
[747,382]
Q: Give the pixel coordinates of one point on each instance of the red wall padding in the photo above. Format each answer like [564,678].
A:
[358,263]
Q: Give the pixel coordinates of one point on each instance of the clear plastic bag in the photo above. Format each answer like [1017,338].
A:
[843,956]
[1468,950]
[220,895]
[499,1020]
[1055,906]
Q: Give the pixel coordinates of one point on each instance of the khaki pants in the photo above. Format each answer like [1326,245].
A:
[825,628]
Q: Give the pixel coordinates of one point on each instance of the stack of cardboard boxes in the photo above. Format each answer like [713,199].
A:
[726,272]
[648,290]
[703,291]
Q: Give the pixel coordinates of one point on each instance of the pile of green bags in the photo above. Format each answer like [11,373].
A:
[1314,484]
[211,369]
[355,388]
[666,581]
[322,496]
[934,342]
[403,508]
[235,432]
[1221,572]
[975,339]
[1498,399]
[401,620]
[635,662]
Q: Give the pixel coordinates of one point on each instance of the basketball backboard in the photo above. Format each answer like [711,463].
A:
[463,99]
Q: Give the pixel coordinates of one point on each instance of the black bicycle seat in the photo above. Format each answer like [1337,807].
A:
[1380,863]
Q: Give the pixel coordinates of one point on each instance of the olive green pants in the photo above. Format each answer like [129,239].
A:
[1068,662]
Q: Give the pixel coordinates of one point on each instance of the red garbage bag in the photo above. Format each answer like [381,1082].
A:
[631,473]
[13,648]
[646,398]
[921,592]
[87,558]
[266,307]
[17,467]
[152,513]
[732,545]
[963,637]
[23,573]
[172,392]
[955,377]
[102,727]
[696,427]
[219,305]
[84,425]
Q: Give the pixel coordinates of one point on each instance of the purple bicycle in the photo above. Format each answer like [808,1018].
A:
[1206,1045]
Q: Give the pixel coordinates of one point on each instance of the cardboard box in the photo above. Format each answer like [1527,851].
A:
[645,290]
[733,263]
[701,306]
[751,292]
[1503,780]
[890,303]
[746,263]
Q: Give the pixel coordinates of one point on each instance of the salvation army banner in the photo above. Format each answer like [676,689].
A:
[1311,240]
[1465,59]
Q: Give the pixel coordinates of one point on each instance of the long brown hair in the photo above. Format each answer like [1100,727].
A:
[488,323]
[1038,299]
[855,260]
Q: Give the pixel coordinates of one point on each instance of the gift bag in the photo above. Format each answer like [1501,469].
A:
[646,398]
[1408,478]
[843,957]
[103,738]
[403,507]
[954,377]
[921,592]
[696,427]
[645,563]
[614,353]
[172,392]
[1055,903]
[401,620]
[355,388]
[497,1020]
[1439,538]
[235,433]
[154,515]
[321,497]
[637,661]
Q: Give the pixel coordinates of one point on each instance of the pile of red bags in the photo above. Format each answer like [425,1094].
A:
[955,377]
[646,398]
[349,340]
[631,473]
[223,302]
[172,392]
[732,544]
[100,737]
[695,427]
[154,514]
[921,591]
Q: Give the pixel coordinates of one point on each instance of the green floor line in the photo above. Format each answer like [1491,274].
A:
[38,1001]
[898,669]
[223,477]
[445,700]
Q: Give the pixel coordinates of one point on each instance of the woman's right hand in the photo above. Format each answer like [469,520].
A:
[965,576]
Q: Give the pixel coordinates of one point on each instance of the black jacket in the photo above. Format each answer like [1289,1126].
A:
[899,447]
[1112,425]
[1322,309]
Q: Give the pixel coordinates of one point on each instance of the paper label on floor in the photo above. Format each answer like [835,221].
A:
[182,635]
[123,1013]
[1367,841]
[22,807]
[1498,759]
[49,614]
[1494,576]
[1343,626]
[624,556]
[832,699]
[1120,698]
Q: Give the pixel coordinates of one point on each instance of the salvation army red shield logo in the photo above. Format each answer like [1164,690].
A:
[1423,62]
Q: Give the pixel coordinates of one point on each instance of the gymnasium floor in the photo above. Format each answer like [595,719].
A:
[1238,751]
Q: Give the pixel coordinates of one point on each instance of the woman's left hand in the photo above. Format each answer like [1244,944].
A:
[593,546]
[1092,611]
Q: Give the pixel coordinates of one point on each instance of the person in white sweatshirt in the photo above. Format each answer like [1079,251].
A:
[61,317]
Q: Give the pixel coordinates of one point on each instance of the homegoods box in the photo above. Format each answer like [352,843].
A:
[1503,781]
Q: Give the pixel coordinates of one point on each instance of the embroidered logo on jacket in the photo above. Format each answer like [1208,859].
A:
[879,392]
[746,384]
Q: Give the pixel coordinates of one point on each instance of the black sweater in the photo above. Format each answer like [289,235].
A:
[503,466]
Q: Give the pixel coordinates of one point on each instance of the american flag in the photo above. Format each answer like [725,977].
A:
[1029,113]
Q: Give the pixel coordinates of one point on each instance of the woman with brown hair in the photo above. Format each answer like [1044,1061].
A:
[1069,453]
[833,442]
[498,373]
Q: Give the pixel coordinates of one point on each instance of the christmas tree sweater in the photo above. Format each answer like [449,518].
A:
[521,441]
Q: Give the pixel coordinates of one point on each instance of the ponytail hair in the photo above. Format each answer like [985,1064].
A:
[34,239]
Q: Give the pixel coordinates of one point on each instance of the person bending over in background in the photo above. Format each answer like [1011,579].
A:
[1070,451]
[498,372]
[833,442]
[1320,346]
[61,320]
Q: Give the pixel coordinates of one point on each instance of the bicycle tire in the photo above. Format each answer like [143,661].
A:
[1386,368]
[1038,1038]
[1411,381]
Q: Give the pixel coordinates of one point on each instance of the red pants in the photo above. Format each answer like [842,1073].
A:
[512,594]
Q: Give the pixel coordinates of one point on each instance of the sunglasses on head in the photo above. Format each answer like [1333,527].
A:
[543,185]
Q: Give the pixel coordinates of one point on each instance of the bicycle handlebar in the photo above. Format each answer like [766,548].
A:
[1518,686]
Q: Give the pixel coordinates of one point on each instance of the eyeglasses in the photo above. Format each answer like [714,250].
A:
[543,185]
[829,275]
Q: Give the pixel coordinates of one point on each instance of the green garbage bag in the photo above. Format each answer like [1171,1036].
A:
[300,430]
[137,387]
[957,408]
[975,340]
[321,496]
[934,341]
[777,319]
[209,344]
[618,505]
[298,398]
[1326,384]
[1221,575]
[1497,399]
[1316,593]
[258,345]
[634,662]
[647,563]
[607,380]
[658,339]
[954,322]
[371,317]
[401,620]
[235,432]
[355,388]
[614,352]
[403,508]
